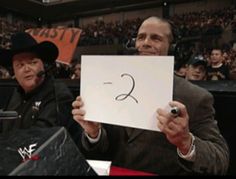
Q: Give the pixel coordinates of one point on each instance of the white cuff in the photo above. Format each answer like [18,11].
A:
[190,156]
[94,140]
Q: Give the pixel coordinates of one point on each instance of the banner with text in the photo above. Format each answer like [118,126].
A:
[65,38]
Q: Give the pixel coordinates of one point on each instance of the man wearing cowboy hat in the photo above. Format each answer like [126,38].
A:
[39,100]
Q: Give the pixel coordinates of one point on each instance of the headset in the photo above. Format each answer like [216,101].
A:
[174,46]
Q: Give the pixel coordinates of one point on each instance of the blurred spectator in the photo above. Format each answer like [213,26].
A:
[62,70]
[4,73]
[232,71]
[76,69]
[181,70]
[196,68]
[217,69]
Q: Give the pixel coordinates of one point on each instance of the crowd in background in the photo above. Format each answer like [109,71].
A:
[11,25]
[197,33]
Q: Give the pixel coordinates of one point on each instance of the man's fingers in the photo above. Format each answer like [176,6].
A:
[78,114]
[77,103]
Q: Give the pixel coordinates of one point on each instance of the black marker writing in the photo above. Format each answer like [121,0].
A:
[107,83]
[122,97]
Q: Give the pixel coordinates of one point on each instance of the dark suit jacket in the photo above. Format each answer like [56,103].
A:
[150,151]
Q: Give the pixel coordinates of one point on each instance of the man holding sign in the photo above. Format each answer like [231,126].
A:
[189,142]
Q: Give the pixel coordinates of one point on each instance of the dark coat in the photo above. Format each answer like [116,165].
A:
[150,151]
[47,106]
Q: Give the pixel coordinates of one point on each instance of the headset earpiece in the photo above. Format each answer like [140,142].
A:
[176,37]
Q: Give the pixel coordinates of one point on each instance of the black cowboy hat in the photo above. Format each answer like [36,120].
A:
[24,42]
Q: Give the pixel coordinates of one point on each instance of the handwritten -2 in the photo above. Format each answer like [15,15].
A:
[124,96]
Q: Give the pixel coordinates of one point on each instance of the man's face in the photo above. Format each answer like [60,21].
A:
[26,66]
[152,38]
[195,72]
[216,56]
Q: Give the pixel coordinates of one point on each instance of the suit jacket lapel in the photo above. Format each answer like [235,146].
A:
[133,133]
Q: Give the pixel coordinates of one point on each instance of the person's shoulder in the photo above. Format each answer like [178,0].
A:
[62,89]
[188,87]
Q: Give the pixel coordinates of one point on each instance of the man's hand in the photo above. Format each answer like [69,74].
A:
[176,128]
[91,128]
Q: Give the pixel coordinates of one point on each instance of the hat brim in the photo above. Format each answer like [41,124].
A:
[200,63]
[46,51]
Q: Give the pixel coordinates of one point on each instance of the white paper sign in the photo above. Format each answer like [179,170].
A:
[126,90]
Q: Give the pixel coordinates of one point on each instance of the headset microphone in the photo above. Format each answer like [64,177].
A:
[42,73]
